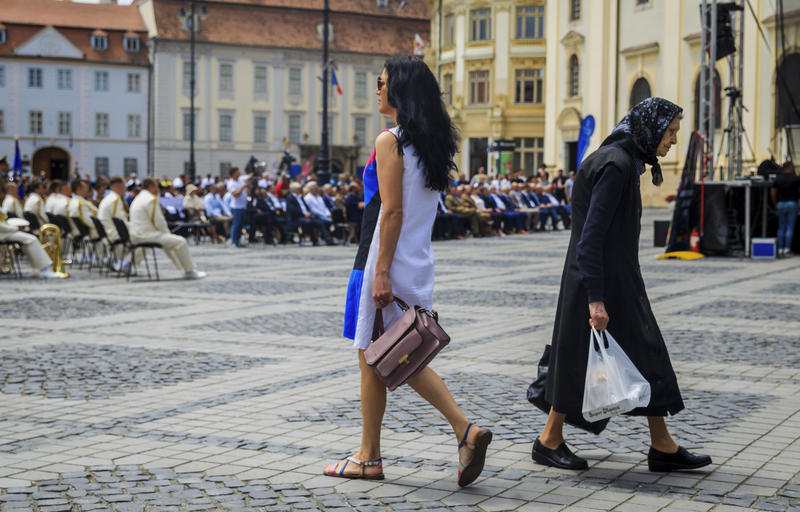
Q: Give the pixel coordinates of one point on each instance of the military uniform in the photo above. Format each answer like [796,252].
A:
[148,224]
[35,204]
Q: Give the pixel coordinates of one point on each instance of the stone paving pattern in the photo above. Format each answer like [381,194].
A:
[232,392]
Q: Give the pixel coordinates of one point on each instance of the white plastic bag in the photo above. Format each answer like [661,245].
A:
[613,384]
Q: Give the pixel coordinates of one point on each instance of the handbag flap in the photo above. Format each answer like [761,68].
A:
[433,327]
[378,348]
[399,354]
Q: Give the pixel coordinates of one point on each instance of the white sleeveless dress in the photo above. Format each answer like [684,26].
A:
[412,272]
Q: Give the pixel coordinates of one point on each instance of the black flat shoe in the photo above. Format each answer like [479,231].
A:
[561,457]
[681,460]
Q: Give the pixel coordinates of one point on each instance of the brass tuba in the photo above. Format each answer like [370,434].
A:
[6,254]
[50,237]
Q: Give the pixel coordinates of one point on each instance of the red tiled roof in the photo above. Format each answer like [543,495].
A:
[62,13]
[293,24]
[16,35]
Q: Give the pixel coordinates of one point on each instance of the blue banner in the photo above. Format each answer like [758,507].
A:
[17,167]
[587,129]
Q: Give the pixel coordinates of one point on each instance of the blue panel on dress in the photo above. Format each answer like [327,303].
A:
[352,302]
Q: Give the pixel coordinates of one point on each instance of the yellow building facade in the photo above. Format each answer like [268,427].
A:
[603,56]
[490,59]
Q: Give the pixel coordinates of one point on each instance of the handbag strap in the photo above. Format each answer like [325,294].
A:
[377,326]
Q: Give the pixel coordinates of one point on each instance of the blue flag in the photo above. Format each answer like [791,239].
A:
[17,160]
[587,129]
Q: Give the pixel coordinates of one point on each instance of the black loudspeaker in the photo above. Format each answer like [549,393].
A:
[726,43]
[715,220]
[660,231]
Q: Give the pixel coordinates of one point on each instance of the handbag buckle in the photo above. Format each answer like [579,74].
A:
[404,359]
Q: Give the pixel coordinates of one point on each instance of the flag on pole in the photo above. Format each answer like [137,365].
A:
[419,45]
[335,82]
[17,168]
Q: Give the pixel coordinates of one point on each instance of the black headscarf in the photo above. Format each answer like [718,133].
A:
[641,130]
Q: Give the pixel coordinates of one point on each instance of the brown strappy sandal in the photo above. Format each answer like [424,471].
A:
[471,471]
[330,470]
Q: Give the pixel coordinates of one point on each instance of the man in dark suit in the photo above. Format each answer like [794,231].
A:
[260,216]
[447,223]
[298,215]
[556,209]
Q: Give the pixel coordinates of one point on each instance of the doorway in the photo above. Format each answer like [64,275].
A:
[477,154]
[572,157]
[53,161]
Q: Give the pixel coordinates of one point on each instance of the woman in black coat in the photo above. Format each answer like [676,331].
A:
[602,282]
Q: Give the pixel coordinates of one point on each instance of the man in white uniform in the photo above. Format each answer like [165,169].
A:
[34,203]
[11,203]
[147,224]
[37,257]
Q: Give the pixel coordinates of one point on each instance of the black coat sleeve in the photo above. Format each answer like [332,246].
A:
[606,194]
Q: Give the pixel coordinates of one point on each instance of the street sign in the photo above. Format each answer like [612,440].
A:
[503,145]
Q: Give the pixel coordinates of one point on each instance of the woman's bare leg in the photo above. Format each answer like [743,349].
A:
[660,439]
[553,433]
[432,388]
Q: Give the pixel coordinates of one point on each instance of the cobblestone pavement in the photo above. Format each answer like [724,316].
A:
[232,392]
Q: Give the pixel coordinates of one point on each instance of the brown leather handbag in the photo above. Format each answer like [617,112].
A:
[407,347]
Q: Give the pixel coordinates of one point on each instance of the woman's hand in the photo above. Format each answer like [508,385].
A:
[382,290]
[598,317]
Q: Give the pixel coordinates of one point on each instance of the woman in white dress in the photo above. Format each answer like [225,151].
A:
[409,167]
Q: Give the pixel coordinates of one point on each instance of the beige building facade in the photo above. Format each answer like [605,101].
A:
[490,59]
[605,55]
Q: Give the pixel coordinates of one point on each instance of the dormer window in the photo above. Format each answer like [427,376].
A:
[383,4]
[2,34]
[99,41]
[131,42]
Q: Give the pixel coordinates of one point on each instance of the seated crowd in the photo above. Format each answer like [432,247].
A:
[244,210]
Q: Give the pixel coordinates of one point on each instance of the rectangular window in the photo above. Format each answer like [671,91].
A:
[2,123]
[99,42]
[360,131]
[64,79]
[2,76]
[187,75]
[101,125]
[528,87]
[35,125]
[481,22]
[101,165]
[224,167]
[447,88]
[101,80]
[65,123]
[131,44]
[294,128]
[187,124]
[2,36]
[530,22]
[35,78]
[479,87]
[360,87]
[130,166]
[529,154]
[225,77]
[134,126]
[295,81]
[260,128]
[575,10]
[225,128]
[260,80]
[449,30]
[134,82]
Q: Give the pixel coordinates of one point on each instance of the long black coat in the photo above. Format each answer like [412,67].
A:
[631,320]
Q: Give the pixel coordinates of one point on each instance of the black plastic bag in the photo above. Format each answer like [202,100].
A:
[536,396]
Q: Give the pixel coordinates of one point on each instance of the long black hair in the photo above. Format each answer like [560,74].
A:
[422,118]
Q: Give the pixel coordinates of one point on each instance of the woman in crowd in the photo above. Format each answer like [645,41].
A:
[408,169]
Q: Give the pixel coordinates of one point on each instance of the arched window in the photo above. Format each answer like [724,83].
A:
[717,102]
[788,83]
[574,76]
[640,91]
